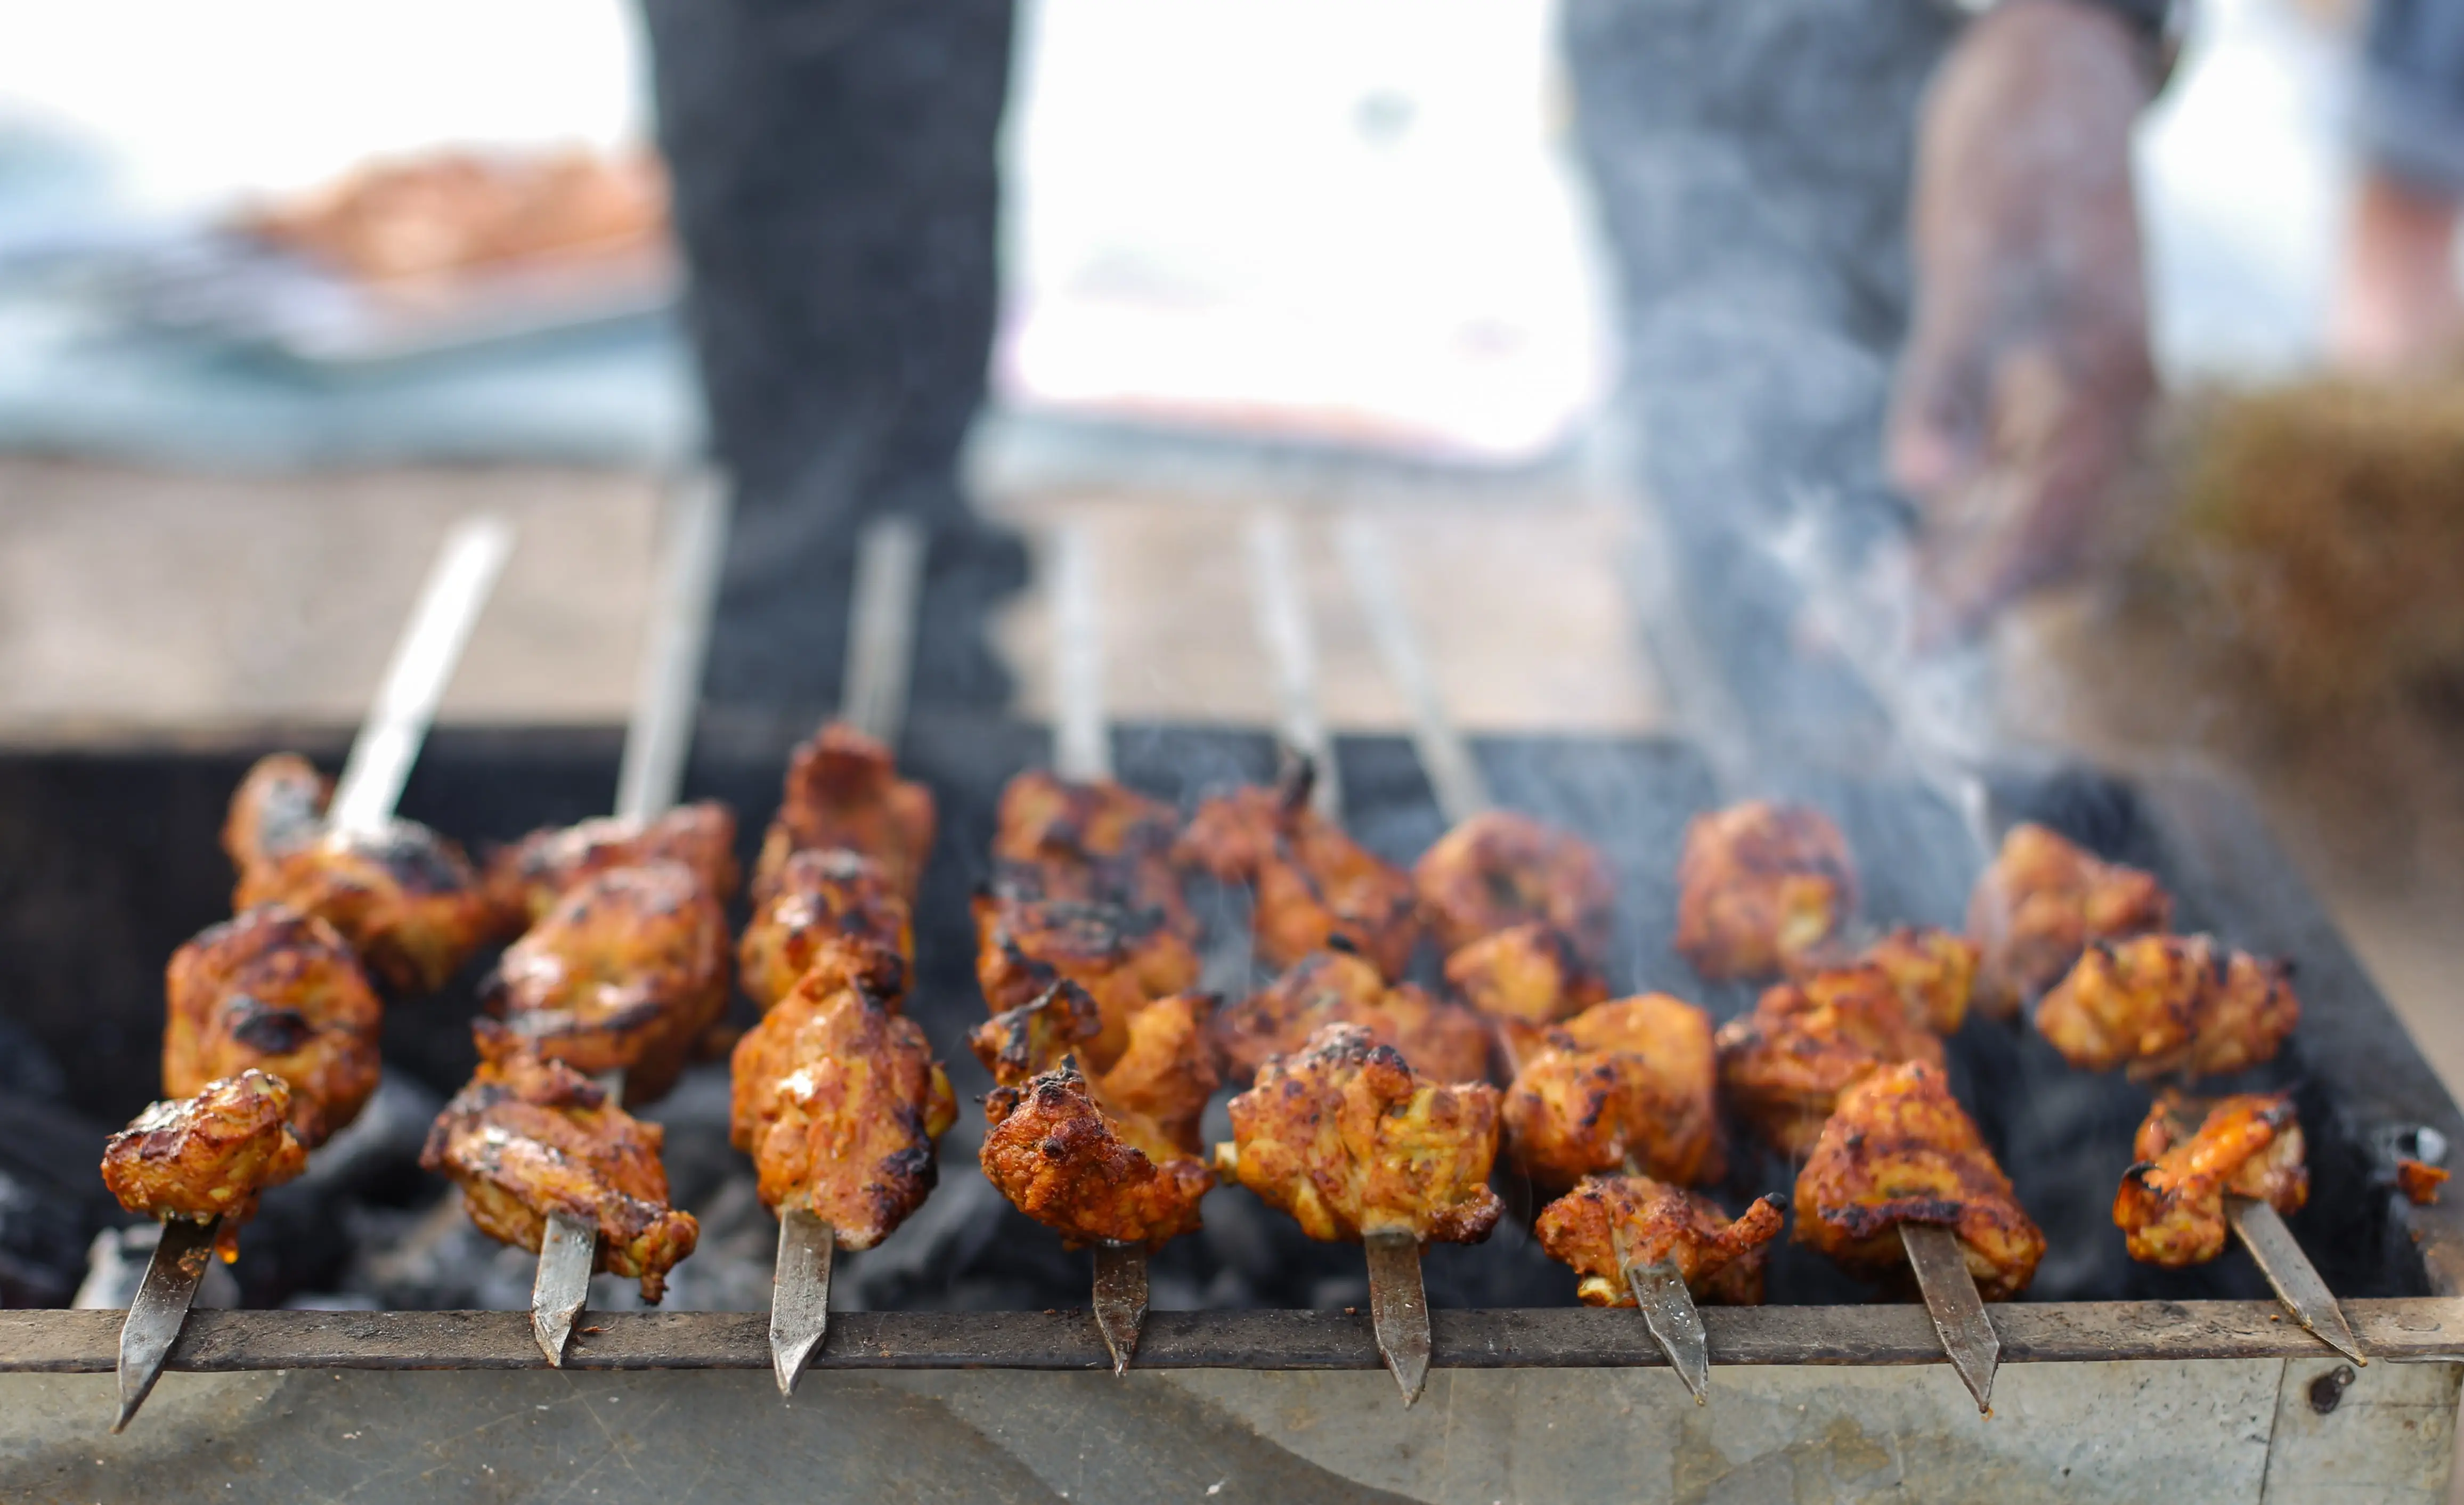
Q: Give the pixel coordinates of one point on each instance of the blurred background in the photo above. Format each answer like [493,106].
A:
[286,287]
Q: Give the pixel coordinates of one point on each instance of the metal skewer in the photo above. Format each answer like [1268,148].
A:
[1668,1307]
[649,772]
[1957,1309]
[1291,652]
[881,639]
[1081,752]
[388,741]
[2289,1272]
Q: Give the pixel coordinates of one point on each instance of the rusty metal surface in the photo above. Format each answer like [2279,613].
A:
[66,1342]
[2238,1429]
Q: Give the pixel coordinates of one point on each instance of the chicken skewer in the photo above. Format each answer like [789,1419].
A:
[649,775]
[889,579]
[267,1149]
[1463,794]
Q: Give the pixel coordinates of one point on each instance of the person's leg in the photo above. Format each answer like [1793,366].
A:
[2397,310]
[837,197]
[1752,165]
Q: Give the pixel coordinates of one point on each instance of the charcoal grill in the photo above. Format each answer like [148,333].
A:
[985,1378]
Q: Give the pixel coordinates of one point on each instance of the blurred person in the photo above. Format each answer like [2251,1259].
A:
[1754,160]
[2397,311]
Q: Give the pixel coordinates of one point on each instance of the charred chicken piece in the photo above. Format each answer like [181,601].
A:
[277,809]
[2167,1004]
[1785,1065]
[624,974]
[1500,870]
[2191,1156]
[275,991]
[838,1098]
[1095,842]
[1609,1222]
[1899,1149]
[207,1156]
[1063,1160]
[845,793]
[1628,1083]
[1346,1138]
[1156,1093]
[1934,970]
[1443,1041]
[2042,903]
[817,898]
[530,1138]
[1757,884]
[527,878]
[1314,883]
[1531,973]
[1126,959]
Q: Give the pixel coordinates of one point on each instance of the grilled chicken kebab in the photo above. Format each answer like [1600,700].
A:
[1314,886]
[1899,1149]
[1608,1223]
[1759,884]
[843,794]
[838,1098]
[530,1138]
[817,898]
[406,898]
[274,990]
[2169,1004]
[1628,1084]
[527,880]
[2191,1156]
[206,1157]
[1805,1041]
[1349,1140]
[1522,911]
[1109,1157]
[2042,903]
[1443,1041]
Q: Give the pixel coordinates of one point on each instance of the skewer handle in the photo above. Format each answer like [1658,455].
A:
[1453,775]
[799,1296]
[2289,1272]
[161,1306]
[660,734]
[881,627]
[1082,745]
[561,1287]
[449,603]
[1291,652]
[1120,1299]
[1958,1310]
[1398,1309]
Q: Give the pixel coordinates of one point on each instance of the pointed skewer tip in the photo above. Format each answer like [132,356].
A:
[1398,1309]
[799,1296]
[1120,1300]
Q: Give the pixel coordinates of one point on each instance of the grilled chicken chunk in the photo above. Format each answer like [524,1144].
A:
[817,898]
[838,1098]
[530,1138]
[1063,1160]
[2193,1156]
[844,793]
[1530,973]
[1153,1095]
[1346,1138]
[1443,1041]
[624,974]
[1628,1083]
[276,990]
[406,898]
[1899,1149]
[1609,1222]
[1934,970]
[207,1155]
[527,880]
[1126,958]
[1314,883]
[1758,883]
[1095,842]
[2042,903]
[2169,1004]
[1500,870]
[1785,1065]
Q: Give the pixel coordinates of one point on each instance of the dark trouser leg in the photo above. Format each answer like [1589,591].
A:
[836,193]
[1751,163]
